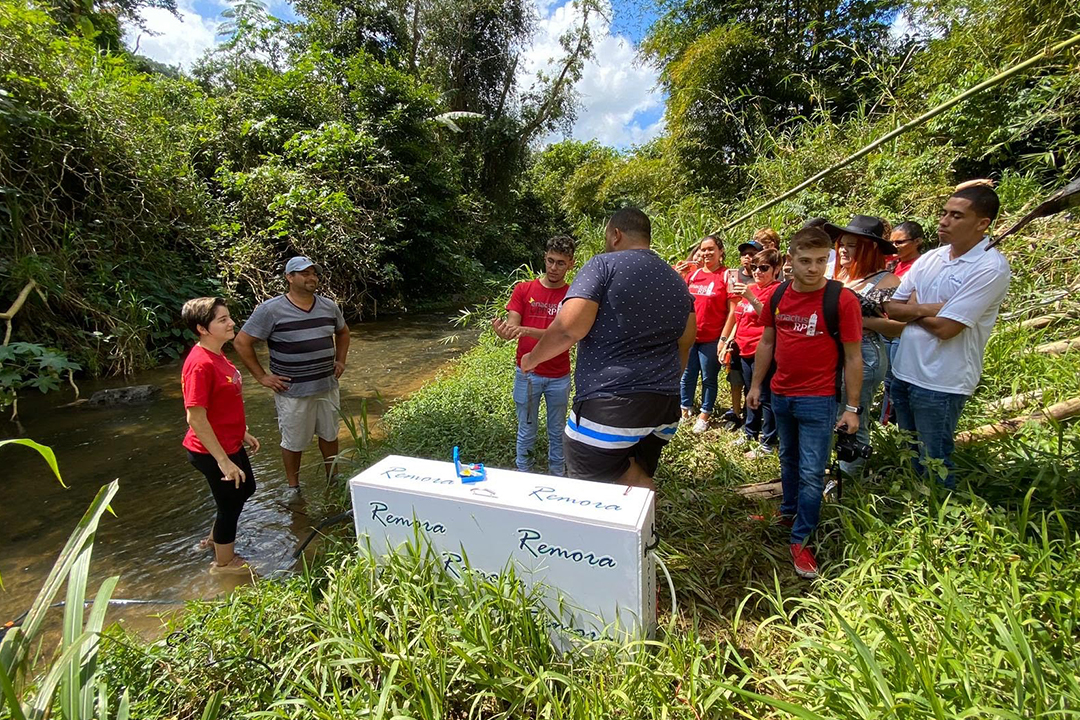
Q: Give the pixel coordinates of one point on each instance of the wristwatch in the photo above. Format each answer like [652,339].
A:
[857,409]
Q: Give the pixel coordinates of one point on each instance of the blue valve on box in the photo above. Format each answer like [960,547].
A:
[469,473]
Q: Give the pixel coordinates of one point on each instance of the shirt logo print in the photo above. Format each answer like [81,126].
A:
[703,290]
[549,308]
[800,324]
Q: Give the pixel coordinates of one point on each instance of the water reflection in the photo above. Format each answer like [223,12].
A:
[163,508]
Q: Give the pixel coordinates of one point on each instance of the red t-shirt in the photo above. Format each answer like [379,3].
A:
[806,355]
[748,326]
[537,306]
[709,291]
[212,382]
[902,266]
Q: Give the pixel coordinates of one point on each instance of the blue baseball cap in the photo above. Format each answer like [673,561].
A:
[299,263]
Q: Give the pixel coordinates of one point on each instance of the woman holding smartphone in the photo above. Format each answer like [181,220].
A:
[217,429]
[708,285]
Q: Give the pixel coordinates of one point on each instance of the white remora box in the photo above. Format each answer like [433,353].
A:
[585,542]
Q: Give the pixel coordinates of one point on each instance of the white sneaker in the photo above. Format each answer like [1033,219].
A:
[291,495]
[742,440]
[700,426]
[686,418]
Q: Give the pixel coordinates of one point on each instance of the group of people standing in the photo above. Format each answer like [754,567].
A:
[860,257]
[809,337]
[308,343]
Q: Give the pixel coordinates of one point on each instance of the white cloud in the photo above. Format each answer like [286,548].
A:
[614,87]
[176,40]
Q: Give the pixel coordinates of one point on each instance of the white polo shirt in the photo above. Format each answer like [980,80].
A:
[972,287]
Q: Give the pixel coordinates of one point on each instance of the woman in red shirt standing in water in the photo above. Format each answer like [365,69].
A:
[217,431]
[760,425]
[708,286]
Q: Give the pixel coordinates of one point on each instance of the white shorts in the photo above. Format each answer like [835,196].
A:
[300,418]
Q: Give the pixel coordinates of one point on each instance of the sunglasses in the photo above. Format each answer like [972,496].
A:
[761,268]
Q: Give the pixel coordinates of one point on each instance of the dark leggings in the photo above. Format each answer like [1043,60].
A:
[229,498]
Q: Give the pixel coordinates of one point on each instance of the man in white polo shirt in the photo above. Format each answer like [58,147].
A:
[949,300]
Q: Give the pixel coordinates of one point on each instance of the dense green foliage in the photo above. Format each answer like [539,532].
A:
[125,191]
[736,71]
[1026,126]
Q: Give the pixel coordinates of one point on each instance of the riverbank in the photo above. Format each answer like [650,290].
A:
[163,508]
[928,606]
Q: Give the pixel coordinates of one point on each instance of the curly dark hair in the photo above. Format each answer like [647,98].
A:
[562,245]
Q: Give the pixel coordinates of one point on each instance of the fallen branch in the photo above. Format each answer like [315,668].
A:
[16,307]
[1057,348]
[764,490]
[1015,402]
[1059,412]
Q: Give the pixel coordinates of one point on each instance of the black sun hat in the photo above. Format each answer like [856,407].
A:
[866,226]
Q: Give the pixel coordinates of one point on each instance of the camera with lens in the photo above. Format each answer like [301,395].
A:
[850,449]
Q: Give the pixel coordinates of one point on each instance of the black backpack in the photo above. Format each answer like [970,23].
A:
[831,313]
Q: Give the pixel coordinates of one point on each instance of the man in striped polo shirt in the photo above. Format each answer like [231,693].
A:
[308,341]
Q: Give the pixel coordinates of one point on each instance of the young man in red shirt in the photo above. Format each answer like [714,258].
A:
[532,308]
[805,383]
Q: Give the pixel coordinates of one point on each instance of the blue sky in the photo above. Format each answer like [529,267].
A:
[621,104]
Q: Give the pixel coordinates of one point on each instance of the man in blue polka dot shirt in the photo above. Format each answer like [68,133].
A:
[633,320]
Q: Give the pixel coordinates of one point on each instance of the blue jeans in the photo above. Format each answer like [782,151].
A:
[703,363]
[931,416]
[760,424]
[556,393]
[875,361]
[805,426]
[891,345]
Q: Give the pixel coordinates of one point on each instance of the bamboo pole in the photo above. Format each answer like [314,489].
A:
[1061,411]
[930,114]
[1043,321]
[1060,347]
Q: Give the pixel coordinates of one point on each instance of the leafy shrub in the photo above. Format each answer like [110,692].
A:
[25,365]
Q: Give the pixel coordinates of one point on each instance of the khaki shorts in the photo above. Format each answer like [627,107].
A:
[300,418]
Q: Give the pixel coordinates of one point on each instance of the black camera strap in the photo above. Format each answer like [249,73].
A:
[838,477]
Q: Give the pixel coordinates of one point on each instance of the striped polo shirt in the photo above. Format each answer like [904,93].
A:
[301,341]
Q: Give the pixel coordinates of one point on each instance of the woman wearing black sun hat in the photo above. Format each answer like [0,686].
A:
[861,250]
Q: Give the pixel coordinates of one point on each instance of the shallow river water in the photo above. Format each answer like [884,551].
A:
[163,507]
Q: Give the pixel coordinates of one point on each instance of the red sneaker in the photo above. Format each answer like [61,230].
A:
[803,559]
